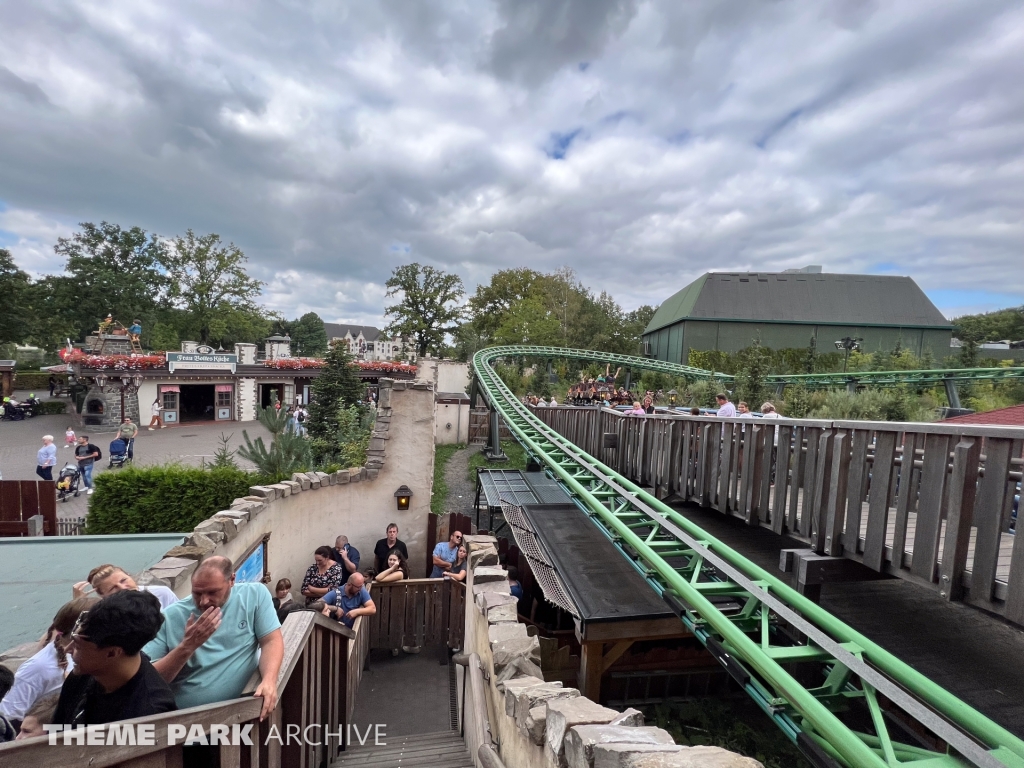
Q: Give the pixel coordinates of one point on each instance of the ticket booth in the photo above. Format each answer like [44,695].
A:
[170,400]
[225,405]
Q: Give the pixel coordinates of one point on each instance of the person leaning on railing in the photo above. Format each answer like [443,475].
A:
[397,569]
[353,601]
[458,571]
[246,636]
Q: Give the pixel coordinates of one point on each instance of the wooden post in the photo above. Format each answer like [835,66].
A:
[959,517]
[591,667]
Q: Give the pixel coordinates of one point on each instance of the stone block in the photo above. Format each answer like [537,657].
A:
[631,717]
[499,587]
[483,574]
[399,386]
[506,652]
[230,525]
[301,479]
[618,755]
[355,474]
[174,570]
[534,725]
[332,479]
[384,398]
[237,514]
[283,491]
[210,525]
[483,556]
[518,668]
[537,697]
[376,443]
[323,477]
[496,607]
[212,539]
[496,633]
[564,714]
[187,552]
[263,491]
[342,476]
[371,473]
[474,540]
[512,688]
[581,740]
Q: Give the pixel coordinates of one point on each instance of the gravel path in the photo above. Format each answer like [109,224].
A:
[461,491]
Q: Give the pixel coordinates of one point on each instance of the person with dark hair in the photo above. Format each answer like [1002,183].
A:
[211,642]
[112,679]
[44,672]
[322,578]
[726,409]
[397,569]
[515,588]
[695,411]
[385,546]
[6,681]
[458,570]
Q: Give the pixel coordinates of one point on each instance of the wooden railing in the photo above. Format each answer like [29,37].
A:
[315,689]
[938,496]
[415,613]
[24,499]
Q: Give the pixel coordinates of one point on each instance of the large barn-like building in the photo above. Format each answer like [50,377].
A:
[727,311]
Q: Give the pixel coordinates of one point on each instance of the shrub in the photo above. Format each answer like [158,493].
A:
[163,499]
[36,381]
[51,408]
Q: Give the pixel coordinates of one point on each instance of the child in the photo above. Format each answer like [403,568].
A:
[283,593]
[69,438]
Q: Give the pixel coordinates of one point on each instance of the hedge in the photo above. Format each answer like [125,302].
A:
[51,408]
[163,499]
[36,381]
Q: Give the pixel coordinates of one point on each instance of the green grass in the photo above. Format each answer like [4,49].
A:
[731,723]
[516,459]
[439,496]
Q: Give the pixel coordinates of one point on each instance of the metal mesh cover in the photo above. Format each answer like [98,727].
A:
[545,574]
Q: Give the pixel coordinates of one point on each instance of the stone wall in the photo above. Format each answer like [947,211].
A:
[537,723]
[311,509]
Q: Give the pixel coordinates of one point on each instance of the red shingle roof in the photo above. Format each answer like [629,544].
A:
[1006,417]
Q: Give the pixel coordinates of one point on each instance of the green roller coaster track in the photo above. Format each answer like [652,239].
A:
[840,697]
[810,380]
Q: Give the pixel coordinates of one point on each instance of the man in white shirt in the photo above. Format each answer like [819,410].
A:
[726,410]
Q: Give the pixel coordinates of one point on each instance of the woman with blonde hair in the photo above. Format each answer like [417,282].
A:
[44,673]
[107,579]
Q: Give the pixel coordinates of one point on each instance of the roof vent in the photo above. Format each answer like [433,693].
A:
[810,269]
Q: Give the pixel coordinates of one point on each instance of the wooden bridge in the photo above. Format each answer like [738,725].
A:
[929,503]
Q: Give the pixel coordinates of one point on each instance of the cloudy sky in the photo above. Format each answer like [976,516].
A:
[641,143]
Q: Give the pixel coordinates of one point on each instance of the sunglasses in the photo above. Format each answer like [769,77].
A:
[76,630]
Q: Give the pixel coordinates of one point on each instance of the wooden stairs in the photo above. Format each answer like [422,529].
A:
[445,749]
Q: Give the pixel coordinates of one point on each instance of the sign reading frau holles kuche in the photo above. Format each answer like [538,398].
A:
[203,359]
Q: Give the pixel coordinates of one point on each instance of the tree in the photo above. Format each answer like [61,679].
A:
[164,338]
[493,301]
[209,281]
[429,307]
[109,270]
[309,337]
[15,309]
[288,452]
[337,387]
[751,380]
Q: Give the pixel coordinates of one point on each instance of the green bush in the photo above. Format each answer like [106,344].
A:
[52,408]
[36,381]
[163,499]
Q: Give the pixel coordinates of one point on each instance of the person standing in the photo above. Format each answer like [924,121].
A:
[127,432]
[726,410]
[445,553]
[46,458]
[385,546]
[86,454]
[345,555]
[156,422]
[53,384]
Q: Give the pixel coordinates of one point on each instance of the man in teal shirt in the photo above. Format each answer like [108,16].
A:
[212,642]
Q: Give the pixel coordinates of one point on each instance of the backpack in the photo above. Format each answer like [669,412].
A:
[97,449]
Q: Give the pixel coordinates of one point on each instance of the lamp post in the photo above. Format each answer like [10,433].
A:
[849,344]
[127,384]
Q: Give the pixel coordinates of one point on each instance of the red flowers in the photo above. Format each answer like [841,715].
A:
[298,363]
[116,362]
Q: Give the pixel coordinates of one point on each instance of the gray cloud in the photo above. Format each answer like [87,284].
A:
[334,142]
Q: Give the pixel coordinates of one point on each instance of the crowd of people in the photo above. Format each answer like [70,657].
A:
[119,649]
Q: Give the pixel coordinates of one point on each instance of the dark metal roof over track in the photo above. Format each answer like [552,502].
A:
[771,297]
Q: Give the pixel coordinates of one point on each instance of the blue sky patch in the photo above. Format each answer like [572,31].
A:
[560,143]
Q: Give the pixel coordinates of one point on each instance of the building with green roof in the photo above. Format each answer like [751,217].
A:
[727,311]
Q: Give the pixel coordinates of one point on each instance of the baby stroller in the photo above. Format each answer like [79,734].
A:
[67,482]
[118,453]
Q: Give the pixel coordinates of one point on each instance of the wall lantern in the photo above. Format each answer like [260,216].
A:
[404,495]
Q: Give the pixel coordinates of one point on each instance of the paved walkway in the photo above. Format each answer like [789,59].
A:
[461,490]
[968,652]
[190,444]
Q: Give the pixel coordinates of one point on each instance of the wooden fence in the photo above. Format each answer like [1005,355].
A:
[22,499]
[415,613]
[938,496]
[314,687]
